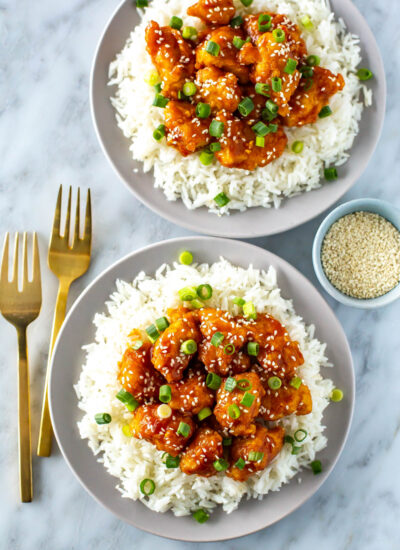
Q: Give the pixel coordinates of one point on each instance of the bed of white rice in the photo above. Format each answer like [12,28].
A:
[325,143]
[136,305]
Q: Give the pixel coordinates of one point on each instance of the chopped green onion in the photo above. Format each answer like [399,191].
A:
[244,384]
[260,141]
[246,106]
[172,461]
[212,48]
[229,349]
[307,23]
[183,429]
[253,348]
[297,147]
[364,74]
[325,111]
[137,345]
[213,381]
[157,87]
[189,89]
[238,42]
[267,115]
[142,3]
[336,395]
[234,411]
[162,323]
[152,78]
[249,310]
[262,88]
[313,60]
[186,257]
[227,441]
[291,65]
[102,418]
[187,293]
[204,413]
[206,157]
[272,107]
[255,456]
[203,110]
[288,439]
[246,3]
[295,449]
[128,400]
[236,21]
[308,84]
[240,463]
[260,128]
[238,301]
[221,464]
[160,101]
[164,411]
[159,132]
[216,128]
[264,22]
[189,33]
[200,515]
[164,393]
[230,384]
[330,173]
[276,84]
[279,35]
[204,291]
[248,399]
[147,487]
[300,435]
[274,382]
[176,22]
[306,72]
[152,333]
[215,146]
[217,339]
[221,199]
[272,128]
[188,347]
[295,382]
[316,466]
[126,430]
[197,304]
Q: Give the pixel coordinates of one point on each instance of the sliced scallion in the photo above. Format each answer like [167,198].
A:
[221,199]
[188,347]
[212,48]
[164,393]
[102,418]
[147,487]
[213,381]
[183,429]
[230,384]
[204,413]
[234,411]
[185,257]
[128,400]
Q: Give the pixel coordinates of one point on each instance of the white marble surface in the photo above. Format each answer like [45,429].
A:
[46,138]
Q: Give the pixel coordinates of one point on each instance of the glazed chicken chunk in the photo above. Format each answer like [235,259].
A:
[237,409]
[308,100]
[286,400]
[185,131]
[191,394]
[213,12]
[256,452]
[172,57]
[200,455]
[162,432]
[167,355]
[218,88]
[137,375]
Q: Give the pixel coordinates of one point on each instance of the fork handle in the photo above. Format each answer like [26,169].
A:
[24,419]
[46,430]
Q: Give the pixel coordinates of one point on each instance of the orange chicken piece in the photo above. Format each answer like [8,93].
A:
[218,88]
[184,130]
[230,402]
[137,375]
[307,102]
[200,455]
[162,432]
[191,394]
[292,32]
[167,356]
[172,56]
[264,441]
[213,12]
[286,400]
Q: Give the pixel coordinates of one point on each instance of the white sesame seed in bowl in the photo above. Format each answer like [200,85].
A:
[356,253]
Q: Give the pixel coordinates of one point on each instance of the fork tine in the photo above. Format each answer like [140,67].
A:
[25,276]
[16,260]
[56,231]
[4,261]
[87,236]
[36,280]
[68,218]
[77,217]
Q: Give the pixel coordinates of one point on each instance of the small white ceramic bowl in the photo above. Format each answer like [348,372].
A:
[384,209]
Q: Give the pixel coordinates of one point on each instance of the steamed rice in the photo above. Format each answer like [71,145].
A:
[325,143]
[136,305]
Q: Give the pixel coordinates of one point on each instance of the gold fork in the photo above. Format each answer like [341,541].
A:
[68,262]
[20,307]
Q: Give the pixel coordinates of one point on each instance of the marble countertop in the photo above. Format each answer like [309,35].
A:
[47,139]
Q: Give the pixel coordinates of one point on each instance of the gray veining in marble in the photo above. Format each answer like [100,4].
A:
[47,139]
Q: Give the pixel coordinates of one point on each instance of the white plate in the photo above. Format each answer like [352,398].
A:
[68,358]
